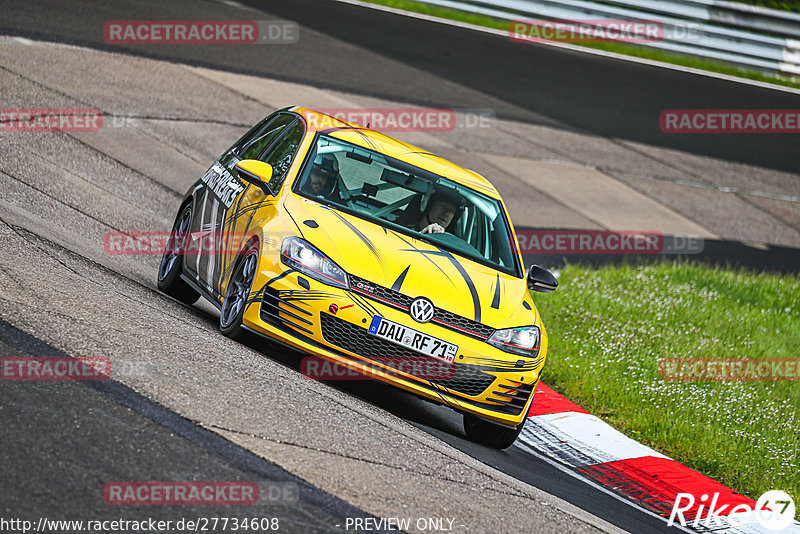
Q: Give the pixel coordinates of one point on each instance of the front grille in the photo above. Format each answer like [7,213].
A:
[458,377]
[381,293]
[441,317]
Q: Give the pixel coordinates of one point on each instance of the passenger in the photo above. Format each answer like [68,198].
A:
[442,207]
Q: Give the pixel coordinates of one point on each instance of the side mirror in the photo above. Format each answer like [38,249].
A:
[257,173]
[541,280]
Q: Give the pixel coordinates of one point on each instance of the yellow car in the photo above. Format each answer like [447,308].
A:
[369,253]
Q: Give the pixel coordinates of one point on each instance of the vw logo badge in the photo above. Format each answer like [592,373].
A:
[421,310]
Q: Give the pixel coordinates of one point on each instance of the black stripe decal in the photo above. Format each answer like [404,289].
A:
[470,284]
[365,305]
[217,256]
[283,274]
[364,239]
[302,295]
[496,299]
[400,279]
[230,222]
[369,305]
[360,305]
[358,302]
[250,207]
[415,249]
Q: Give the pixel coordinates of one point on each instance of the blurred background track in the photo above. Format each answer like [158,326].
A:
[576,137]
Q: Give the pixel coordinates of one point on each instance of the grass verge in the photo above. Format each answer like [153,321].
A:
[782,5]
[619,48]
[609,328]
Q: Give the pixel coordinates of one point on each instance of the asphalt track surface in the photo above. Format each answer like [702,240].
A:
[59,439]
[537,84]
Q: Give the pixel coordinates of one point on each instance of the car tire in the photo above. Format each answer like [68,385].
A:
[238,293]
[171,266]
[490,434]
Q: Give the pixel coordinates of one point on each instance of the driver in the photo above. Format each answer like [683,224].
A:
[323,177]
[442,207]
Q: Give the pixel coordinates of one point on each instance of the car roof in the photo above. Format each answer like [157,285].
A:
[379,142]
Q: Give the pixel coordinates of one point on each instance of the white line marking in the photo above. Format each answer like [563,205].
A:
[582,439]
[237,5]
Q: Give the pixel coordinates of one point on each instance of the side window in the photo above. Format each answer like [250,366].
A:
[254,145]
[250,134]
[281,155]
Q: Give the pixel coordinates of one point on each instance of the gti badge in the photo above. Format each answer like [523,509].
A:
[421,310]
[364,287]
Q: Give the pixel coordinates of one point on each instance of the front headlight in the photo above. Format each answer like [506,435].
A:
[520,340]
[301,255]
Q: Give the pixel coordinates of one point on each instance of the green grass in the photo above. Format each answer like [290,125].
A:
[783,5]
[619,48]
[609,328]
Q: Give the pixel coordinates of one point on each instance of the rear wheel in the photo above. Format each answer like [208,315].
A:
[169,271]
[238,293]
[490,434]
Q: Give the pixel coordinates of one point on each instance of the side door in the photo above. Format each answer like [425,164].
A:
[253,205]
[216,200]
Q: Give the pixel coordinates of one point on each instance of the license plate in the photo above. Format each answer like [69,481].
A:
[413,339]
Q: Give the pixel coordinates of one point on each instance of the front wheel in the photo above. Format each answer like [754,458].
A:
[238,293]
[490,434]
[169,271]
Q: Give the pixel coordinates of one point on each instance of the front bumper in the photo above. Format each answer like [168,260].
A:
[332,323]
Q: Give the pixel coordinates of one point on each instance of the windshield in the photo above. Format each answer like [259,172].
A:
[394,194]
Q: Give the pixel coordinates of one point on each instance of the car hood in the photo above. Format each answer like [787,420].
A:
[413,267]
